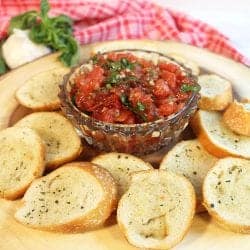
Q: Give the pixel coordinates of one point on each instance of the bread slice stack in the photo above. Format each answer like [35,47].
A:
[226,192]
[22,155]
[40,92]
[157,209]
[217,138]
[190,159]
[216,92]
[78,196]
[60,137]
[121,166]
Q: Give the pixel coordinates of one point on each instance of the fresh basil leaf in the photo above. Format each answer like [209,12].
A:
[55,32]
[44,7]
[140,106]
[23,21]
[126,64]
[124,100]
[70,55]
[116,66]
[123,63]
[40,34]
[190,88]
[95,59]
[62,23]
[113,78]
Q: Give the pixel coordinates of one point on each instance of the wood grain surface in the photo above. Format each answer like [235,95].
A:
[204,233]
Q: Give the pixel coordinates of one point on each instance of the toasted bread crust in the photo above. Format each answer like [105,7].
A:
[218,101]
[34,121]
[40,160]
[224,224]
[162,244]
[227,225]
[56,163]
[168,158]
[120,166]
[205,140]
[237,118]
[96,217]
[28,94]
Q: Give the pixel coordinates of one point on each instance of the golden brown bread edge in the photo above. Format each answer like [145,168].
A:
[219,220]
[192,212]
[204,139]
[108,203]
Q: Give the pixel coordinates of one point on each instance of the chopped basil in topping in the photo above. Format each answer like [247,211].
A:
[122,64]
[95,59]
[124,100]
[126,64]
[140,106]
[190,88]
[113,78]
[136,110]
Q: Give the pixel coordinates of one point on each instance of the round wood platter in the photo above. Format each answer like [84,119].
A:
[204,234]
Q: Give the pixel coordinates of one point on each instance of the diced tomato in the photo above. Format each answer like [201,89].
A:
[181,96]
[146,63]
[114,115]
[109,100]
[84,102]
[169,77]
[88,82]
[168,66]
[167,109]
[142,92]
[138,95]
[119,56]
[161,89]
[151,112]
[104,114]
[125,116]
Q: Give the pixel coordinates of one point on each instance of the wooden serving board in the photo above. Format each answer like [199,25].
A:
[204,233]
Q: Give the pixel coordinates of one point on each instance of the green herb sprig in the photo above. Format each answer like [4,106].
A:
[55,32]
[136,110]
[122,64]
[190,88]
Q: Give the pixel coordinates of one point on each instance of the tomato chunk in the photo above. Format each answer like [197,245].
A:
[122,88]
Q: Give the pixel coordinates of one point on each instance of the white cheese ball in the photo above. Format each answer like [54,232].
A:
[18,49]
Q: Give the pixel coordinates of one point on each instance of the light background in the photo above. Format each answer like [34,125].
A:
[232,17]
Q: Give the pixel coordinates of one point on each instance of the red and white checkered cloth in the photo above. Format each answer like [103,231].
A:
[126,19]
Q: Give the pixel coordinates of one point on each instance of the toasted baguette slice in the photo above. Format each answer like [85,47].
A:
[216,92]
[61,140]
[216,138]
[78,196]
[237,118]
[22,155]
[121,166]
[226,192]
[40,92]
[189,64]
[157,210]
[190,159]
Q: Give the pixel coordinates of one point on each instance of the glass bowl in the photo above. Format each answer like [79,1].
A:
[139,139]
